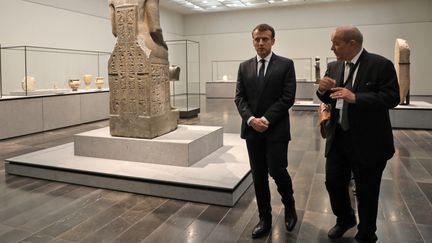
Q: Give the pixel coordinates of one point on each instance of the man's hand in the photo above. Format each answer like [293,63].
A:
[343,93]
[259,124]
[326,83]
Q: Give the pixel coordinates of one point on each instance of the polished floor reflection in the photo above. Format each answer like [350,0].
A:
[33,210]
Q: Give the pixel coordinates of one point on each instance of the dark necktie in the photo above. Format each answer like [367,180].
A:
[261,73]
[348,85]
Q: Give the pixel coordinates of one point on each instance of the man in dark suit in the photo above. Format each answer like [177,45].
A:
[266,86]
[361,88]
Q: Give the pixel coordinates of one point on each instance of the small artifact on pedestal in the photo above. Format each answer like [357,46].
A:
[99,81]
[28,83]
[317,70]
[138,72]
[74,84]
[174,73]
[402,63]
[87,80]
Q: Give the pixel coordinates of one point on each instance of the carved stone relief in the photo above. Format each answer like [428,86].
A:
[138,74]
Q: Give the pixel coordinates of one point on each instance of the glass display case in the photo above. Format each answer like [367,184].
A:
[33,70]
[305,75]
[224,78]
[303,69]
[185,91]
[225,70]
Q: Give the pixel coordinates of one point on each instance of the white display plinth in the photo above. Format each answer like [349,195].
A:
[39,92]
[182,147]
[416,115]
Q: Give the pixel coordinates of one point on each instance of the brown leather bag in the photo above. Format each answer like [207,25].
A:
[324,112]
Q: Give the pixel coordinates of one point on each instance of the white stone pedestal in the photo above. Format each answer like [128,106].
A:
[182,147]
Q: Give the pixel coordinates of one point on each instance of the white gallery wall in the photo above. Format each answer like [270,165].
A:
[43,23]
[73,24]
[77,24]
[303,31]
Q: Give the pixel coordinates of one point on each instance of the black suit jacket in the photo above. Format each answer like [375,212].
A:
[272,101]
[377,90]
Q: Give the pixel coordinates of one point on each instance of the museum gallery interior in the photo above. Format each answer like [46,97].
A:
[118,121]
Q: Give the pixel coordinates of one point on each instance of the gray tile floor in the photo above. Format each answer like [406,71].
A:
[33,210]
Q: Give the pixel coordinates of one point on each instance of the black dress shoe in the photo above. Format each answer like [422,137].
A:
[290,218]
[365,241]
[370,238]
[262,228]
[339,229]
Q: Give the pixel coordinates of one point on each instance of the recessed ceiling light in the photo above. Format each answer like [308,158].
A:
[226,5]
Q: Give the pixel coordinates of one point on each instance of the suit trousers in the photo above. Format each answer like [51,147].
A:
[269,158]
[340,167]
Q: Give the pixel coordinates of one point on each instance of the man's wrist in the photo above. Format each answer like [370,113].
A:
[249,120]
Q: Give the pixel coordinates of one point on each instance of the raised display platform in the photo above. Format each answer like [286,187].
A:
[416,115]
[182,147]
[219,178]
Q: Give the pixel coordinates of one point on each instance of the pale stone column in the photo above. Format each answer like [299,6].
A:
[402,64]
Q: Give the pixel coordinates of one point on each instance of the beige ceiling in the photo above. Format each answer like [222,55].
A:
[206,6]
[94,7]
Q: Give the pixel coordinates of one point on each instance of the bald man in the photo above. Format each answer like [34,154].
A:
[361,88]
